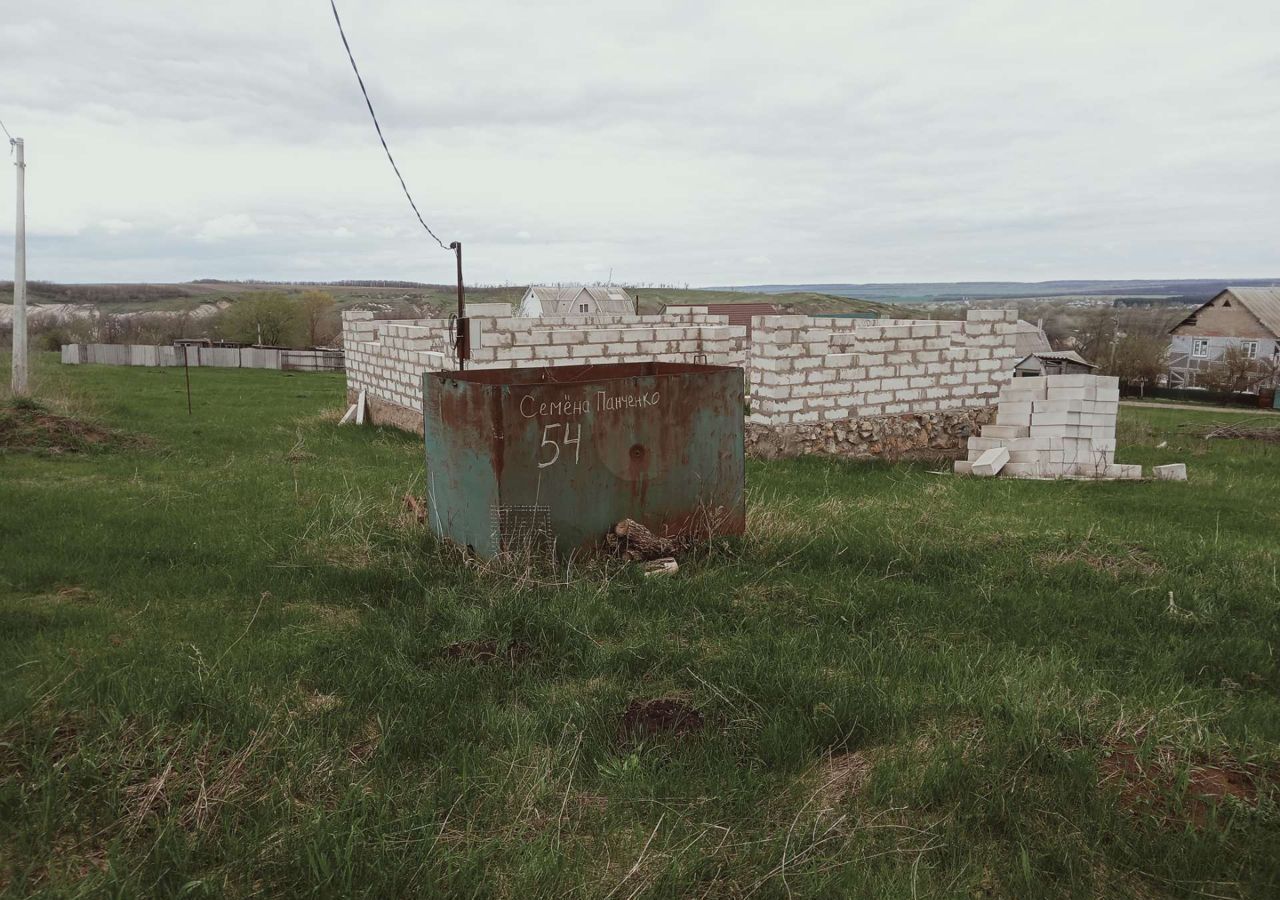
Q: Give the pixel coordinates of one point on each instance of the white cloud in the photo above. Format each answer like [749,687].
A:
[115,226]
[686,141]
[231,225]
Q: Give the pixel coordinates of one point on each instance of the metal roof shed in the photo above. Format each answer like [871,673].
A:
[1056,362]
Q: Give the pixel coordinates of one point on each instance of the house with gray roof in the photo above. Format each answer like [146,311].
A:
[1244,317]
[575,300]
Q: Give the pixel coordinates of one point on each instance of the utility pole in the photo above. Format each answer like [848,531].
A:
[463,336]
[19,381]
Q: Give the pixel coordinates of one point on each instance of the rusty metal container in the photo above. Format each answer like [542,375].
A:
[555,456]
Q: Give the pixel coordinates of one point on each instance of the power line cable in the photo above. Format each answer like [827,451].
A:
[333,4]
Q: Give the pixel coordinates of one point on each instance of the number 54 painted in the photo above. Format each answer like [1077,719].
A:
[549,440]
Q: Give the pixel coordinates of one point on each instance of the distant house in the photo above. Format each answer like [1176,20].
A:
[576,300]
[1053,362]
[1244,317]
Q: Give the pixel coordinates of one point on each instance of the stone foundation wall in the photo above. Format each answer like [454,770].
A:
[383,412]
[942,434]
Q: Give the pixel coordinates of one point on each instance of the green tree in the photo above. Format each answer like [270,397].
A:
[269,318]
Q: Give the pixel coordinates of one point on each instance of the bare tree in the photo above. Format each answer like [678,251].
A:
[319,315]
[1237,371]
[1139,359]
[1096,338]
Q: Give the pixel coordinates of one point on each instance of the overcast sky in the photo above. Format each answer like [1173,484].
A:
[683,142]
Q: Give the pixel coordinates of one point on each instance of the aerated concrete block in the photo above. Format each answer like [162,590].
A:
[1013,392]
[981,444]
[1042,444]
[1171,472]
[1025,456]
[990,462]
[1037,383]
[1071,393]
[1014,414]
[1051,405]
[1005,431]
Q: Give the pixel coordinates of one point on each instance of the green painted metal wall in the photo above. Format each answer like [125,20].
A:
[572,450]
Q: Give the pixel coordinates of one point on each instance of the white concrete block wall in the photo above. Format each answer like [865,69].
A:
[808,370]
[386,358]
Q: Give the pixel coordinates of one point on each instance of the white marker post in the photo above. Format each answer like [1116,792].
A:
[19,381]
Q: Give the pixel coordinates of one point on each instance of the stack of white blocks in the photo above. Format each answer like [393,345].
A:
[1056,426]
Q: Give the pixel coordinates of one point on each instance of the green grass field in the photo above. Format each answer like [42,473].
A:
[231,666]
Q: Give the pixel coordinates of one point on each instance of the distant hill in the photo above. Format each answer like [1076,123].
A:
[121,298]
[1186,290]
[391,295]
[797,301]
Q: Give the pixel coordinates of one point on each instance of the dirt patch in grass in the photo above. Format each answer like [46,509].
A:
[361,750]
[844,775]
[1114,560]
[315,702]
[664,716]
[28,427]
[1156,784]
[486,651]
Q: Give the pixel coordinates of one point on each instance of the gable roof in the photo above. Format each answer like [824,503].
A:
[612,300]
[1029,338]
[552,297]
[563,301]
[1263,302]
[1059,356]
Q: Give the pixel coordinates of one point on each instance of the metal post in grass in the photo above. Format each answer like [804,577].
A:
[19,380]
[186,371]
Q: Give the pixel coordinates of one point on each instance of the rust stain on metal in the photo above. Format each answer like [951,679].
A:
[660,443]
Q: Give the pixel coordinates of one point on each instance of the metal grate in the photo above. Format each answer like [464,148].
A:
[519,528]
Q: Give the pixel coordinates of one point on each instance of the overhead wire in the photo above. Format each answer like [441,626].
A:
[334,6]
